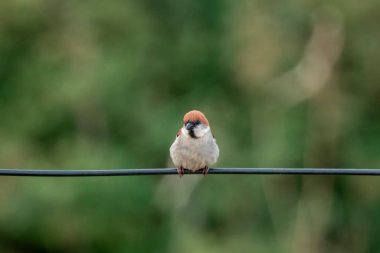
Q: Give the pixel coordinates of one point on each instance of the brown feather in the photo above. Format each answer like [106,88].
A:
[195,116]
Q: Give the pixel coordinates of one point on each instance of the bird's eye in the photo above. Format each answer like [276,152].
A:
[197,122]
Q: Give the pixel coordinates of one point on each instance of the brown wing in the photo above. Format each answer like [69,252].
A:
[179,132]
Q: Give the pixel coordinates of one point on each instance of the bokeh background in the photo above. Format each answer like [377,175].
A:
[104,85]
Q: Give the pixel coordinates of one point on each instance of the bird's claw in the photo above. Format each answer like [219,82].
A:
[181,171]
[205,170]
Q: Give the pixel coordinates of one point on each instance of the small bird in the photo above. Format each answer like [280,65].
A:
[195,147]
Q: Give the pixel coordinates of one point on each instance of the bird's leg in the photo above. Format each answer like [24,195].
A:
[205,170]
[181,171]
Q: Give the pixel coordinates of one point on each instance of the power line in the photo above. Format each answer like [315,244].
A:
[171,171]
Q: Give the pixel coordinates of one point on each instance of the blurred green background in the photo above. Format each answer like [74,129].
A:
[104,85]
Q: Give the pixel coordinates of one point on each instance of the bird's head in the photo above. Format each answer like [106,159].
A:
[195,124]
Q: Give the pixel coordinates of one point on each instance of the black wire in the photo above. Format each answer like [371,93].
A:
[171,171]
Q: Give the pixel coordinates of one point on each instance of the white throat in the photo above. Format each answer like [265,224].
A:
[199,131]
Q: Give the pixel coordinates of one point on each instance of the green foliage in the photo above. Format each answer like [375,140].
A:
[95,84]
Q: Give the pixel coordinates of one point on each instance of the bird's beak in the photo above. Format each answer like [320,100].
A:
[189,125]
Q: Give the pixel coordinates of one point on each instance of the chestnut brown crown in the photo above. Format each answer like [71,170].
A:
[194,116]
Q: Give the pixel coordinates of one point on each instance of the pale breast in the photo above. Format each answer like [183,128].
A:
[194,154]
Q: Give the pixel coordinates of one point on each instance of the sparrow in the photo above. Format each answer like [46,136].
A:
[195,147]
